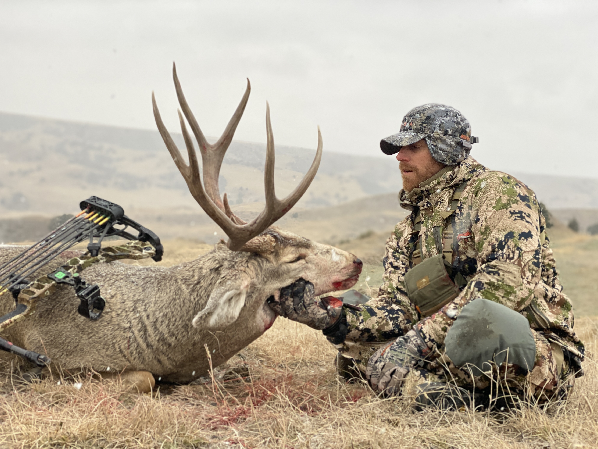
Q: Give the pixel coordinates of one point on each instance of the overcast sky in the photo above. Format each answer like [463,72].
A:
[525,73]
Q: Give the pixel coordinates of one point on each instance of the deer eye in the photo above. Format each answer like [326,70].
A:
[298,258]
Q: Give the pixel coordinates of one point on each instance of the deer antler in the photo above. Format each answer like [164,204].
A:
[238,232]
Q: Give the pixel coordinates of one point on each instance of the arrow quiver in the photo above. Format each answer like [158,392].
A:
[97,220]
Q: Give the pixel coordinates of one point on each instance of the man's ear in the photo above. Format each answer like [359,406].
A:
[224,305]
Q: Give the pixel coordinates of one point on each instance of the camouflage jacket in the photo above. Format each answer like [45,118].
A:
[499,246]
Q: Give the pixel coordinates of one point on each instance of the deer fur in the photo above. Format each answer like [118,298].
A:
[160,319]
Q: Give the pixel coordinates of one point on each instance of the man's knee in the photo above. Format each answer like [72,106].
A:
[487,333]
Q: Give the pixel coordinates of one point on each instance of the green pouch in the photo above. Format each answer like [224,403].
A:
[429,285]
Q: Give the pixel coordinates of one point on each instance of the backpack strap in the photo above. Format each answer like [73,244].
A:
[447,234]
[416,256]
[446,240]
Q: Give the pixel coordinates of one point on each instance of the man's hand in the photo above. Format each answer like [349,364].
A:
[297,302]
[389,366]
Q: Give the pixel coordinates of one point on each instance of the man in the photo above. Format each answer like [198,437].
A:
[471,300]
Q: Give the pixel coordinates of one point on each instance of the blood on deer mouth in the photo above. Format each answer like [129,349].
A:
[347,283]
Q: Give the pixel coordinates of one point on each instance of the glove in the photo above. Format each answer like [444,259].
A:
[388,367]
[297,302]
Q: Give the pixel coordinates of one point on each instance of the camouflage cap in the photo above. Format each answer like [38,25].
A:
[446,130]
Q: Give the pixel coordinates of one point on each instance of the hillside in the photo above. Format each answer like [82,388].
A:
[585,217]
[48,166]
[331,224]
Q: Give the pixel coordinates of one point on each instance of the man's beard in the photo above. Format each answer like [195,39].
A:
[416,175]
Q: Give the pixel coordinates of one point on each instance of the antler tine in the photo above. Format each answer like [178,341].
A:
[287,203]
[230,214]
[208,195]
[193,162]
[276,208]
[172,148]
[212,155]
[191,172]
[271,199]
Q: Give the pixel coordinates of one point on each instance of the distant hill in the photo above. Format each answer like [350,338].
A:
[331,224]
[563,192]
[584,217]
[47,166]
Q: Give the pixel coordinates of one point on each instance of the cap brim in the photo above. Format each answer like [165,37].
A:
[393,144]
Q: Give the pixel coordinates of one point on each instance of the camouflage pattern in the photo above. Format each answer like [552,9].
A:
[297,302]
[446,130]
[550,378]
[43,286]
[389,366]
[499,246]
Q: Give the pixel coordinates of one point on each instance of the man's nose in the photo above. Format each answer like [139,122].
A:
[401,157]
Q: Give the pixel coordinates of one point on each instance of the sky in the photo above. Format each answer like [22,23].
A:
[525,73]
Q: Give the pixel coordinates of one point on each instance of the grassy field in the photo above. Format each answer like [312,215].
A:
[577,263]
[282,391]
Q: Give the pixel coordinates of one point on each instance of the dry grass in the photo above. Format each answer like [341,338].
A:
[577,262]
[285,394]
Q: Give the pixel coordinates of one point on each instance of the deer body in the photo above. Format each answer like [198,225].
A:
[151,321]
[160,320]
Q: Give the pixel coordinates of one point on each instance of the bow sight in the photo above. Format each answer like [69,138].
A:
[97,220]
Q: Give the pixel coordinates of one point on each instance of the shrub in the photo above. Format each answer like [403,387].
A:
[366,234]
[593,229]
[573,225]
[547,215]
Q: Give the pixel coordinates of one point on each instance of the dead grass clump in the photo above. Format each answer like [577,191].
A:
[281,391]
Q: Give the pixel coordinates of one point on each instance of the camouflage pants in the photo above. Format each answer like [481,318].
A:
[550,378]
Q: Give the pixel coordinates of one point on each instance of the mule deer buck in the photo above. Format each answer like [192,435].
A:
[157,320]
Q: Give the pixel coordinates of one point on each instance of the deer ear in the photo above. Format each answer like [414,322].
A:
[224,305]
[263,244]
